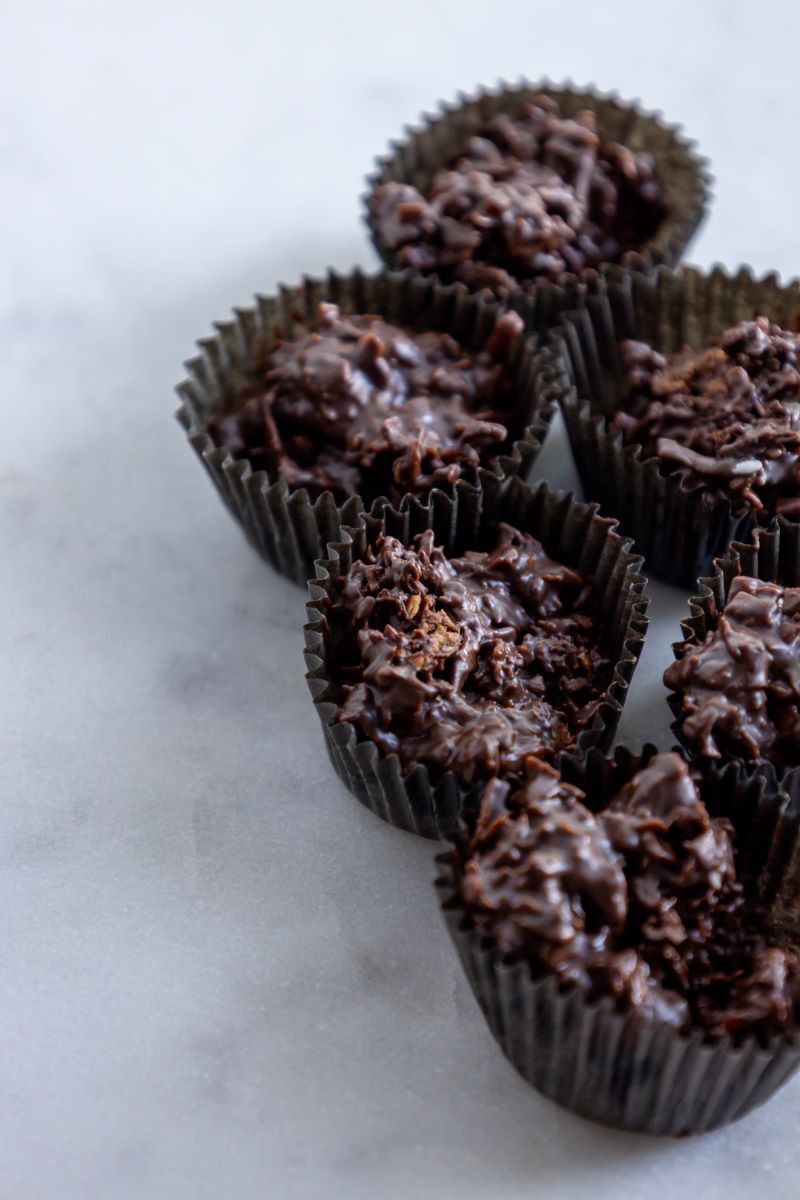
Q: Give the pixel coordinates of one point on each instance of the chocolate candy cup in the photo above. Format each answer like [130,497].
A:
[622,1069]
[282,524]
[765,558]
[679,529]
[572,533]
[683,173]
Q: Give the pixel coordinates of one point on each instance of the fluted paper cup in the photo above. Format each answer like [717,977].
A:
[415,798]
[621,1069]
[439,137]
[767,557]
[678,527]
[284,525]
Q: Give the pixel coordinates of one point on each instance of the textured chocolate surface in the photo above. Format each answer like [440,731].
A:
[639,902]
[532,195]
[740,687]
[472,664]
[361,407]
[726,416]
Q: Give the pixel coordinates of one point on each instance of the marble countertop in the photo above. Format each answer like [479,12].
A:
[219,976]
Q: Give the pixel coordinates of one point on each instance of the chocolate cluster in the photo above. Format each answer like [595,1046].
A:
[639,901]
[530,196]
[475,664]
[740,687]
[361,407]
[727,416]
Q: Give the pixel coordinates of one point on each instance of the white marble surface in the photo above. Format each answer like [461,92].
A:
[219,977]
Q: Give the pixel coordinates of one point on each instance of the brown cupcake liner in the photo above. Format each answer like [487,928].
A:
[684,173]
[571,532]
[284,526]
[678,527]
[766,558]
[622,1069]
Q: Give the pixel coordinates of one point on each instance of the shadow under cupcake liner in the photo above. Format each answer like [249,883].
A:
[414,799]
[683,173]
[283,525]
[621,1069]
[679,529]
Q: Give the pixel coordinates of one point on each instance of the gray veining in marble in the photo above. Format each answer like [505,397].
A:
[219,977]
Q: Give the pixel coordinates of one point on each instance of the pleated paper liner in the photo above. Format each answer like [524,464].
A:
[678,528]
[416,799]
[762,558]
[284,525]
[622,1069]
[683,173]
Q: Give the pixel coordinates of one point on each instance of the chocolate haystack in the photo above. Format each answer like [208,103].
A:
[727,416]
[361,407]
[531,196]
[740,687]
[471,664]
[639,902]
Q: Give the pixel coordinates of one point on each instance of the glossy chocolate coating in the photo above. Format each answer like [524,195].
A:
[639,902]
[530,196]
[471,664]
[727,416]
[361,407]
[740,687]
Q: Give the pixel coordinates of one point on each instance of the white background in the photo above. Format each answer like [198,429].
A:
[219,977]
